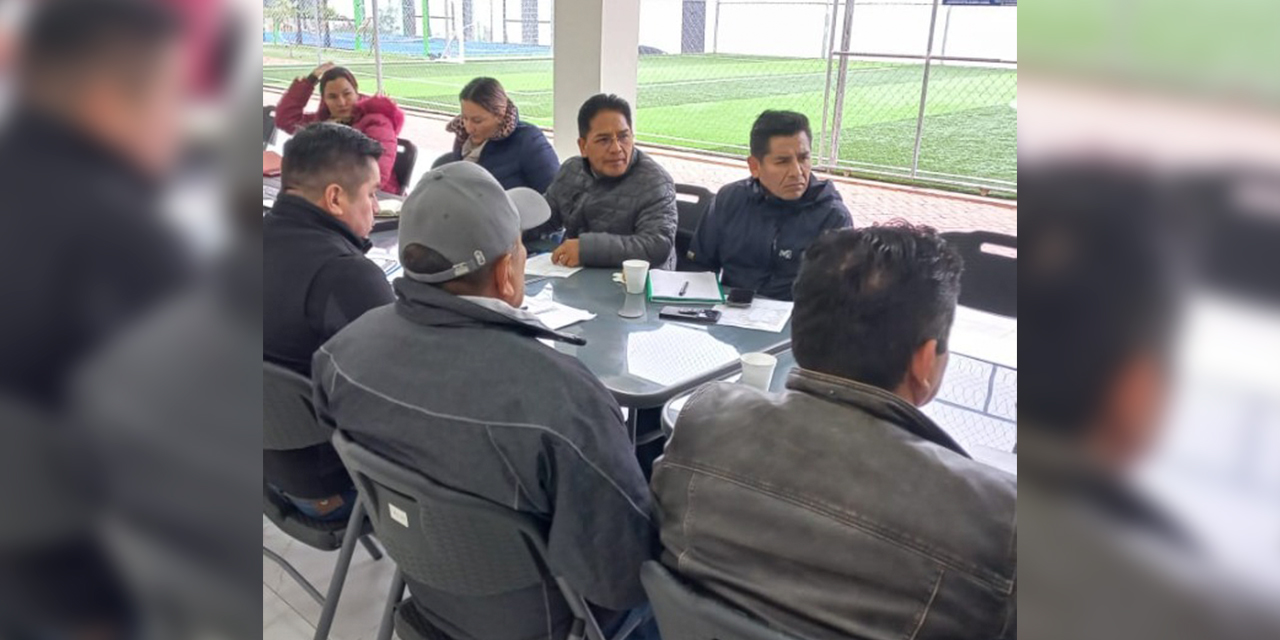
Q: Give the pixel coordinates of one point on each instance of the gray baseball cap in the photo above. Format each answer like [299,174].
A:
[460,211]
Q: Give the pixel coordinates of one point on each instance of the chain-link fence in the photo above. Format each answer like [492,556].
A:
[906,89]
[426,49]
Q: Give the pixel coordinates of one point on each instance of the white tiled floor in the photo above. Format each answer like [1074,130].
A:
[288,613]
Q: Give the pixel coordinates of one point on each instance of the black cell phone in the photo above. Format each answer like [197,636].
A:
[689,314]
[740,297]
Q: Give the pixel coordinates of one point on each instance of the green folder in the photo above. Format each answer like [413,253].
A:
[703,287]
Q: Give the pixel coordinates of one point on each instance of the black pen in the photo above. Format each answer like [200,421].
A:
[683,288]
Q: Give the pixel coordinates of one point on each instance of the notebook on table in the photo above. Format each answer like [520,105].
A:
[682,287]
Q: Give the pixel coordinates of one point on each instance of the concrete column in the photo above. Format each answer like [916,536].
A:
[596,50]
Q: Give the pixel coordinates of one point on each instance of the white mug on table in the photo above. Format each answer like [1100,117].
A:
[634,275]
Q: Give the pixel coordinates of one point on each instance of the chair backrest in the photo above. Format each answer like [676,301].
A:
[406,158]
[990,280]
[692,203]
[288,417]
[268,123]
[444,159]
[685,614]
[445,539]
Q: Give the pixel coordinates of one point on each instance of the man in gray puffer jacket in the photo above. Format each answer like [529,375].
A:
[614,202]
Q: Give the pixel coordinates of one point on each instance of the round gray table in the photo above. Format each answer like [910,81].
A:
[646,361]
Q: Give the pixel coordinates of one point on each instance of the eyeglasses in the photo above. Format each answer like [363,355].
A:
[606,141]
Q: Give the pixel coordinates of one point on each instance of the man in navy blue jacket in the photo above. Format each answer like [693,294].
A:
[758,228]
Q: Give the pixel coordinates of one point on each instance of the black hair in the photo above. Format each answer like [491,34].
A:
[488,93]
[338,72]
[1097,285]
[776,123]
[866,299]
[325,153]
[419,258]
[76,37]
[597,103]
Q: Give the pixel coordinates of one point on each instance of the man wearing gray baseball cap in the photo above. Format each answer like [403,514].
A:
[452,380]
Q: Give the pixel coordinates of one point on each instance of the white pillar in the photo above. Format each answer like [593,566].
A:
[596,50]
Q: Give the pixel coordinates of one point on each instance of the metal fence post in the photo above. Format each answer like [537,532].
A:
[715,31]
[377,46]
[924,89]
[824,136]
[319,31]
[358,11]
[842,77]
[426,28]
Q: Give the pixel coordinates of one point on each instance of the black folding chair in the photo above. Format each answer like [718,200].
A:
[406,158]
[268,124]
[442,160]
[686,614]
[692,203]
[453,542]
[990,280]
[288,423]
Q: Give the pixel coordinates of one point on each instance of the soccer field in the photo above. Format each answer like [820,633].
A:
[708,101]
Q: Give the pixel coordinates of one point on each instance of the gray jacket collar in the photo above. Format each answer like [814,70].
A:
[873,400]
[432,306]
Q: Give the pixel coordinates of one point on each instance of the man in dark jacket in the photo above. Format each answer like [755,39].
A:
[84,156]
[315,281]
[614,202]
[1100,272]
[837,509]
[758,228]
[453,381]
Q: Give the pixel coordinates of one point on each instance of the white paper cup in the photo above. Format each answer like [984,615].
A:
[634,275]
[757,370]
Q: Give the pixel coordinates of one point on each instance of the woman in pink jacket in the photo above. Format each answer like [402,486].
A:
[340,101]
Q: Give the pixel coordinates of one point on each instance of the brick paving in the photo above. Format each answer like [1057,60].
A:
[870,202]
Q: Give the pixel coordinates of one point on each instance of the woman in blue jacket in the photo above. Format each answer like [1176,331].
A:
[489,133]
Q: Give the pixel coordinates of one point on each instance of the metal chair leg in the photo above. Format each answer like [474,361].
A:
[293,573]
[340,571]
[389,613]
[369,545]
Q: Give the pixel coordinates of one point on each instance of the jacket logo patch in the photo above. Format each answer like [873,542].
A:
[398,515]
[785,254]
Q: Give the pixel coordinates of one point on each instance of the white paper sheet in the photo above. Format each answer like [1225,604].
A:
[541,265]
[555,315]
[762,315]
[386,260]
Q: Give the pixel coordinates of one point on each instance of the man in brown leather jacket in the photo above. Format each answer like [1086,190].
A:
[837,509]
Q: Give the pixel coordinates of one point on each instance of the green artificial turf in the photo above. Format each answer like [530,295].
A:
[709,101]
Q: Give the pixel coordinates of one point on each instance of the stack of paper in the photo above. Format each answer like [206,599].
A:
[683,287]
[553,314]
[762,315]
[541,265]
[386,260]
[389,207]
